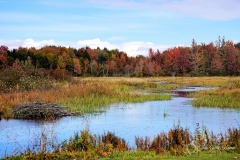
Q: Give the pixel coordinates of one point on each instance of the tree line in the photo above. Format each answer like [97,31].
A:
[221,58]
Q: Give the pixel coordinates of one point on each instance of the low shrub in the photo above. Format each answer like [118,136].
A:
[14,80]
[9,78]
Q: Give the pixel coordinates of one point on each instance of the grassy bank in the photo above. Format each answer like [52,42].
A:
[177,143]
[225,96]
[134,155]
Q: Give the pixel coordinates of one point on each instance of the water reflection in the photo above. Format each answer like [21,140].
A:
[126,120]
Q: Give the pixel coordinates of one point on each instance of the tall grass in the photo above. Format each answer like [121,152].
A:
[102,94]
[84,95]
[227,96]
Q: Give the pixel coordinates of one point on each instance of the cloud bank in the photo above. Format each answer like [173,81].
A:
[131,48]
[28,43]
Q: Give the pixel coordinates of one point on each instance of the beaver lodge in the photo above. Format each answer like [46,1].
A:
[41,111]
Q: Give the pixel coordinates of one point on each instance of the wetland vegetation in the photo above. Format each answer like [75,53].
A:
[89,95]
[176,143]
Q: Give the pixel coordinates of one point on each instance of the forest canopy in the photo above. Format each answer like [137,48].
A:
[220,58]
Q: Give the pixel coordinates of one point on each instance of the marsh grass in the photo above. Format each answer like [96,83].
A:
[226,96]
[92,94]
[133,155]
[198,81]
[85,94]
[104,93]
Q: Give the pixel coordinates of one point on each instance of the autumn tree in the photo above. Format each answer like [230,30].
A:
[149,69]
[158,62]
[183,60]
[171,61]
[195,57]
[92,54]
[61,62]
[129,68]
[139,66]
[207,52]
[77,67]
[153,62]
[111,67]
[216,64]
[3,57]
[94,68]
[230,61]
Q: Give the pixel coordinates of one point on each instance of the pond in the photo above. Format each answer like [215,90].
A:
[125,120]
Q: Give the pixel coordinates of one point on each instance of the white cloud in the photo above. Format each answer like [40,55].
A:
[12,43]
[94,43]
[31,43]
[26,43]
[131,48]
[136,48]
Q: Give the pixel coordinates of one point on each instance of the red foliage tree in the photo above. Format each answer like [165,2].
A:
[182,60]
[230,58]
[154,62]
[3,56]
[216,64]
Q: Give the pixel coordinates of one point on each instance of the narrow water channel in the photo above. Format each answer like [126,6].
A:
[125,120]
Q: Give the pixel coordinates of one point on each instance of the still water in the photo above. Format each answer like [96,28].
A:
[125,120]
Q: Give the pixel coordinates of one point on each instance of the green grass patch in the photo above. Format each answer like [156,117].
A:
[97,101]
[226,96]
[227,101]
[136,155]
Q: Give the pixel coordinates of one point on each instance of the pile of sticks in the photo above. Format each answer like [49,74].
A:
[41,111]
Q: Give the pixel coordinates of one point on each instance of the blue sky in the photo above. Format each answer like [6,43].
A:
[129,25]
